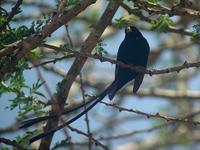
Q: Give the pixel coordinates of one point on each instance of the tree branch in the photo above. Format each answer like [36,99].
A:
[151,72]
[98,143]
[12,143]
[156,115]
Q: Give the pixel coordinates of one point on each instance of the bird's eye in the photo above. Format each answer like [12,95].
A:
[128,30]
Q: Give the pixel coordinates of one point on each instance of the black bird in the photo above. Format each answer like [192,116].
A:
[134,50]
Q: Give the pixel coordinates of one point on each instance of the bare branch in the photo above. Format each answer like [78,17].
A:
[86,114]
[126,135]
[156,115]
[151,72]
[170,94]
[98,143]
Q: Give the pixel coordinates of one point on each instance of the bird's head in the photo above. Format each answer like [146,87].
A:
[132,31]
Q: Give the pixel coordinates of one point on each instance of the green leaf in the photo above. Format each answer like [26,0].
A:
[72,2]
[26,103]
[5,148]
[153,1]
[99,49]
[35,87]
[196,32]
[60,144]
[36,54]
[2,20]
[40,94]
[162,23]
[12,35]
[123,22]
[24,139]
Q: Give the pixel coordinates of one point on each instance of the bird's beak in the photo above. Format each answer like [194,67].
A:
[128,30]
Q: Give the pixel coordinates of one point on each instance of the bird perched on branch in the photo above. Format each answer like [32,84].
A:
[134,50]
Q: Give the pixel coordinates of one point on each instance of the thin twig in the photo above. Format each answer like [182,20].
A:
[86,114]
[125,135]
[54,60]
[97,143]
[40,76]
[69,37]
[156,115]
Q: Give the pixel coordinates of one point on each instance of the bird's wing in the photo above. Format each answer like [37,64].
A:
[137,82]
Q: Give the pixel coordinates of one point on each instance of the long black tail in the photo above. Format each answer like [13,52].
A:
[97,100]
[30,122]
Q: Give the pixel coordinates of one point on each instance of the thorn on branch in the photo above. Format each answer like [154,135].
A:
[157,114]
[167,70]
[151,72]
[168,119]
[186,64]
[178,70]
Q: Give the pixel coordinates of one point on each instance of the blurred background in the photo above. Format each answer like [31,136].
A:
[173,39]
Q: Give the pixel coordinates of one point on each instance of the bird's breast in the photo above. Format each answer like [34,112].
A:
[134,52]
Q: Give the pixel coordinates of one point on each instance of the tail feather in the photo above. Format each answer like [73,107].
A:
[30,122]
[117,84]
[138,81]
[112,93]
[97,100]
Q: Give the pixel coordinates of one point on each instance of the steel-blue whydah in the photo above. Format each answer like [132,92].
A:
[134,50]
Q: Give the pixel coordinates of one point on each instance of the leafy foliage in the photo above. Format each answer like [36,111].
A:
[15,34]
[61,143]
[10,35]
[99,49]
[162,23]
[123,22]
[72,2]
[2,20]
[196,32]
[14,82]
[25,103]
[5,148]
[36,25]
[153,1]
[23,140]
[62,49]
